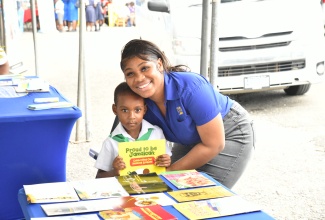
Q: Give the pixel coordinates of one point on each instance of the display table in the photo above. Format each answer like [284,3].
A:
[36,211]
[33,146]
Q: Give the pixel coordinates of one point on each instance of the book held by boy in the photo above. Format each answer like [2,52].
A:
[183,179]
[140,156]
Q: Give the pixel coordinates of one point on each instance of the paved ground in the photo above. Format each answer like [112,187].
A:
[286,176]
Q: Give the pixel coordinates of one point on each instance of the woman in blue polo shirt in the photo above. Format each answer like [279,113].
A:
[211,132]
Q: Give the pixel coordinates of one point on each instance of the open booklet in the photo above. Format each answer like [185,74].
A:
[120,203]
[71,191]
[99,188]
[50,192]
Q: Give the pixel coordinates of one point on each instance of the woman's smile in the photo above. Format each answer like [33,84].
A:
[143,86]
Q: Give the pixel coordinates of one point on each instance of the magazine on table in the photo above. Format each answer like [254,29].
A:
[50,192]
[143,183]
[100,188]
[138,213]
[67,208]
[142,200]
[183,179]
[212,208]
[200,193]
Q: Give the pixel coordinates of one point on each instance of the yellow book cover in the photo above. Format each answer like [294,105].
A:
[140,156]
[200,193]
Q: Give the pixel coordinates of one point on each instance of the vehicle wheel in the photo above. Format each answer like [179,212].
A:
[297,90]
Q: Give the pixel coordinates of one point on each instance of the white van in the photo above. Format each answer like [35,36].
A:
[263,44]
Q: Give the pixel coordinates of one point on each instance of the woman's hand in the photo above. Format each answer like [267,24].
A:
[163,160]
[213,141]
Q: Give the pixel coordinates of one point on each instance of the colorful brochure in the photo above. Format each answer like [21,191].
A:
[143,183]
[187,179]
[50,192]
[200,193]
[99,188]
[80,207]
[154,212]
[147,200]
[215,207]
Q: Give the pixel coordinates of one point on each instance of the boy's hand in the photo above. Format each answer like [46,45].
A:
[163,160]
[118,164]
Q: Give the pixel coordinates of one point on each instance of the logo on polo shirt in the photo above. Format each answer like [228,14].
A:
[179,110]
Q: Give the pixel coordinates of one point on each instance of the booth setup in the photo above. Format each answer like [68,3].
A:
[33,146]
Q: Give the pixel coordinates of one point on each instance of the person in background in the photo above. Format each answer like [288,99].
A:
[71,14]
[122,15]
[130,109]
[132,13]
[99,16]
[21,12]
[90,14]
[210,132]
[4,64]
[59,12]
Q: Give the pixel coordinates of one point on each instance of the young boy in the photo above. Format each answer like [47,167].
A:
[130,109]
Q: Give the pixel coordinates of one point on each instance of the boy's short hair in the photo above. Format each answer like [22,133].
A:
[123,89]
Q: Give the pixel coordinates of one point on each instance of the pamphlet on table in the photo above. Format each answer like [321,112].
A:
[116,203]
[146,200]
[148,213]
[50,192]
[183,179]
[99,188]
[215,207]
[81,206]
[200,193]
[143,183]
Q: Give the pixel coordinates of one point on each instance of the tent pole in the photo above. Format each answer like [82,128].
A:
[214,45]
[34,25]
[205,39]
[82,76]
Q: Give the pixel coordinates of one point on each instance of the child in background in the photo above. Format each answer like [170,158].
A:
[130,109]
[59,11]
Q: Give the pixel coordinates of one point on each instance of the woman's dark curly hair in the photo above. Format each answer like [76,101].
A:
[148,51]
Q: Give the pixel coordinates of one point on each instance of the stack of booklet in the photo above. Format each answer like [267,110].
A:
[108,196]
[140,196]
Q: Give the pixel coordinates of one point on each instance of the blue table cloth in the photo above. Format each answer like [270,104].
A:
[35,210]
[33,146]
